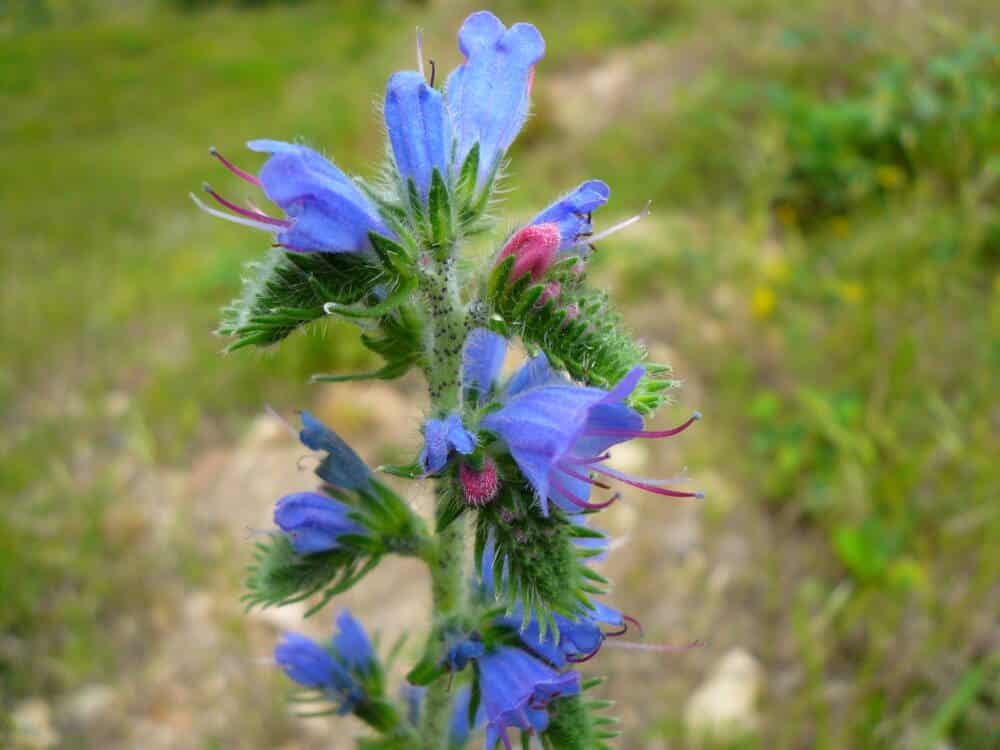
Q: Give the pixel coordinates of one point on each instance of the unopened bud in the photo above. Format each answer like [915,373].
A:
[480,486]
[534,248]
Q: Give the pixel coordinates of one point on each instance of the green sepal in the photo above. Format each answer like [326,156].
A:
[392,254]
[544,568]
[576,724]
[593,346]
[448,512]
[412,470]
[398,296]
[390,371]
[439,214]
[427,670]
[287,290]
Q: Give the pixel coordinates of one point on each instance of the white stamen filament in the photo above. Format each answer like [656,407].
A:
[617,227]
[660,648]
[420,51]
[288,425]
[234,218]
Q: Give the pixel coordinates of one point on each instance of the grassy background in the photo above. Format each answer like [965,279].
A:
[823,257]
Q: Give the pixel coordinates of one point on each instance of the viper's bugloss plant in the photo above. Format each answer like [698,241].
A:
[519,464]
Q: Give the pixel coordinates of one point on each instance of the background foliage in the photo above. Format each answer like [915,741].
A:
[822,261]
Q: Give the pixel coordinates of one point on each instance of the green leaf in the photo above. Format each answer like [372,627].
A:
[427,670]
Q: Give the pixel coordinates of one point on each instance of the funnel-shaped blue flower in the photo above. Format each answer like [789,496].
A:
[325,210]
[419,129]
[571,212]
[352,645]
[579,638]
[314,522]
[488,95]
[559,433]
[515,688]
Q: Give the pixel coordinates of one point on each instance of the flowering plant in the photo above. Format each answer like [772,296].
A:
[519,463]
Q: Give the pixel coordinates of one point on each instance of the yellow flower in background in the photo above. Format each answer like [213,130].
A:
[840,226]
[776,270]
[762,302]
[850,291]
[890,177]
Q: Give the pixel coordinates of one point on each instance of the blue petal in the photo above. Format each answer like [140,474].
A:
[515,687]
[305,661]
[540,426]
[460,438]
[419,129]
[441,436]
[434,456]
[482,361]
[314,522]
[342,467]
[534,373]
[570,212]
[488,95]
[328,211]
[352,644]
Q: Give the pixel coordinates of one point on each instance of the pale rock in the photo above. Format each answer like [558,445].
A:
[90,704]
[725,704]
[32,722]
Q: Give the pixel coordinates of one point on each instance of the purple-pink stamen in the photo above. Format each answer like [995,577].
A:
[642,485]
[257,215]
[586,461]
[583,477]
[233,168]
[579,502]
[646,433]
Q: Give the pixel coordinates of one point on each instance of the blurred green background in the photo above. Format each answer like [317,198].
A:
[822,267]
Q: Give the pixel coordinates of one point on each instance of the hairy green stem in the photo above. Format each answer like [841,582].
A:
[448,326]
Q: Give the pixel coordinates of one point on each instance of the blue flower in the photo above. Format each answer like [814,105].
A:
[325,210]
[314,522]
[338,669]
[488,95]
[419,129]
[515,688]
[352,644]
[462,650]
[579,638]
[571,213]
[341,467]
[482,361]
[559,434]
[441,437]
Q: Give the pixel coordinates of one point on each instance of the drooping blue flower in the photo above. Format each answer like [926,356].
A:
[488,95]
[481,362]
[579,638]
[559,432]
[341,467]
[314,522]
[441,437]
[462,649]
[352,644]
[315,666]
[419,129]
[571,212]
[325,211]
[515,689]
[338,669]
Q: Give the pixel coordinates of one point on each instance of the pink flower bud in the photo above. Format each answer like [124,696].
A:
[480,487]
[534,248]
